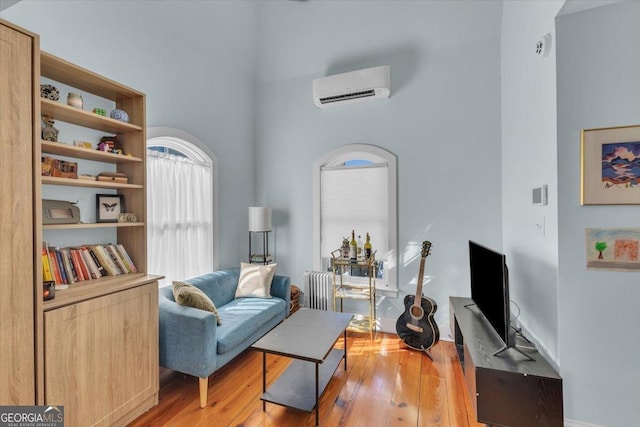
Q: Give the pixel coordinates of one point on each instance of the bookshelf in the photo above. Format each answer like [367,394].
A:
[131,136]
[54,180]
[104,313]
[19,109]
[85,153]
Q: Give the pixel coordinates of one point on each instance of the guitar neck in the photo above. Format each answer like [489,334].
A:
[418,298]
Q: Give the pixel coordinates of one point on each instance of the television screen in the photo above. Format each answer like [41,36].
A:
[490,289]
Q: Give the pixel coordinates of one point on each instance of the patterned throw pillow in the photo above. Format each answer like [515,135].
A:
[255,280]
[190,296]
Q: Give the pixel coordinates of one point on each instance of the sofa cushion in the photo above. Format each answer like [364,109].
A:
[189,295]
[255,280]
[242,317]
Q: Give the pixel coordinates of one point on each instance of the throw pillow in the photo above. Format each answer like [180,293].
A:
[255,280]
[190,296]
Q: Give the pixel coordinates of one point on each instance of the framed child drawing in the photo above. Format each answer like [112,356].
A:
[610,166]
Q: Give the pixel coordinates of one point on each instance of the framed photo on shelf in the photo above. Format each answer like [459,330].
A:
[108,207]
[610,166]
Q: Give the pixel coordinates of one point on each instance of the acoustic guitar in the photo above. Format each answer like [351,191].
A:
[416,326]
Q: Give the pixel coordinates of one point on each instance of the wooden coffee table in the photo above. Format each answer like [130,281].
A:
[308,336]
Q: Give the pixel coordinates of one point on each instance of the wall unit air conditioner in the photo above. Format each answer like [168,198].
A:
[354,86]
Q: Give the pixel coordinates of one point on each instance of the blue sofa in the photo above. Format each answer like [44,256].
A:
[190,340]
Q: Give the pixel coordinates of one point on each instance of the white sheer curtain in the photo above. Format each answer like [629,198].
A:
[179,205]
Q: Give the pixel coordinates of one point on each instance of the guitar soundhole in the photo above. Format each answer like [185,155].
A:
[417,312]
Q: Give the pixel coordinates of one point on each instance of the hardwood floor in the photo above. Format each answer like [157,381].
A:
[386,384]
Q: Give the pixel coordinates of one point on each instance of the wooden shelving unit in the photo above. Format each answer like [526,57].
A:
[95,288]
[134,373]
[91,225]
[131,136]
[85,153]
[19,109]
[53,180]
[83,118]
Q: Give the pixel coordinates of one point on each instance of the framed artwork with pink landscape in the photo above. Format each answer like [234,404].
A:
[610,166]
[613,248]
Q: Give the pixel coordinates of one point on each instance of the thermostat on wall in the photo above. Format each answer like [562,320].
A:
[539,196]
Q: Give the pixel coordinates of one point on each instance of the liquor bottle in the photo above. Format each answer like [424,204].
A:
[360,253]
[367,248]
[353,248]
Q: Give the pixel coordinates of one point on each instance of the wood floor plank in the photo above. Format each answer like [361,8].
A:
[358,357]
[384,381]
[462,413]
[406,394]
[385,384]
[363,398]
[433,391]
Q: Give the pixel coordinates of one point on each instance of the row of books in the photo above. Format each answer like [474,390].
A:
[87,262]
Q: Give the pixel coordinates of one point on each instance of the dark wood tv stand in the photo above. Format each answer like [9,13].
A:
[507,389]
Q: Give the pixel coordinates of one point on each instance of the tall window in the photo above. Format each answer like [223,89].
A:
[180,205]
[355,189]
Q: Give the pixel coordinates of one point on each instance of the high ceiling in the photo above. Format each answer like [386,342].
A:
[573,6]
[6,3]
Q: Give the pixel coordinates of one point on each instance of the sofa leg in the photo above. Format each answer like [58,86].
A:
[204,385]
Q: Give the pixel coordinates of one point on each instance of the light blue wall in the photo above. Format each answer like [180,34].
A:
[599,325]
[471,120]
[442,122]
[529,140]
[194,61]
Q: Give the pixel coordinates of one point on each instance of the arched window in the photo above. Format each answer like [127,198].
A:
[181,202]
[355,189]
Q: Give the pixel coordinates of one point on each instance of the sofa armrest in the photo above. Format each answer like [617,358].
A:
[281,288]
[187,338]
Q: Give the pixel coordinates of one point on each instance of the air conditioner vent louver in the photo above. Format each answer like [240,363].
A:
[353,86]
[346,96]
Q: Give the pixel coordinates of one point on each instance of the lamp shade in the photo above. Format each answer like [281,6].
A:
[259,219]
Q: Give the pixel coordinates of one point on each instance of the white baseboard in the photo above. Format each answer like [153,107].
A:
[574,423]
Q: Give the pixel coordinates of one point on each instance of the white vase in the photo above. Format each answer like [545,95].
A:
[74,100]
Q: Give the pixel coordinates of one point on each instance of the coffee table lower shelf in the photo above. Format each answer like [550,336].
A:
[295,388]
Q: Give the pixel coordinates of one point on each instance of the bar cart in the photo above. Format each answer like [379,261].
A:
[344,289]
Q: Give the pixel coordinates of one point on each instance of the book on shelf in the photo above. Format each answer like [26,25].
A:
[127,259]
[81,268]
[106,260]
[92,269]
[46,269]
[72,276]
[60,271]
[87,262]
[53,265]
[99,266]
[117,259]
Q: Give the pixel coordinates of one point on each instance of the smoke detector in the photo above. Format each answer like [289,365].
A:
[543,46]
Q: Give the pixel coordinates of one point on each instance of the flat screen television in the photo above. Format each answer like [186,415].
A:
[490,290]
